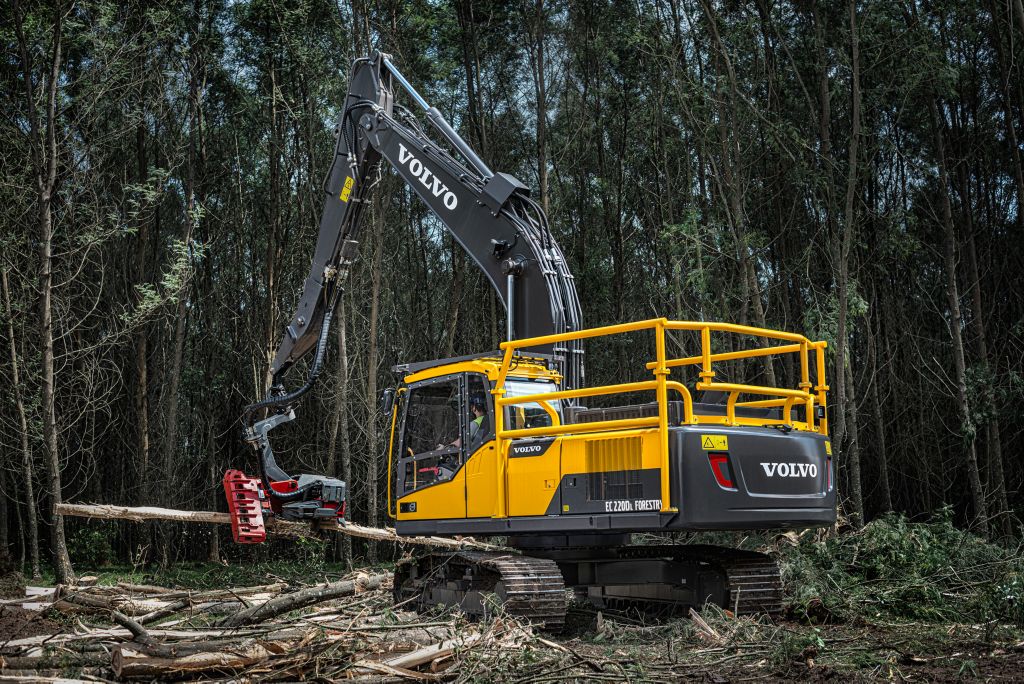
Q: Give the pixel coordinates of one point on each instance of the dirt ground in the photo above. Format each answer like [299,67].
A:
[750,650]
[16,622]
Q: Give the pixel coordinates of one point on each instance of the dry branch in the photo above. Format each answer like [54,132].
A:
[130,662]
[301,599]
[279,527]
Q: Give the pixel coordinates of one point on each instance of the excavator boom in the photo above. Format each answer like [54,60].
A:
[491,215]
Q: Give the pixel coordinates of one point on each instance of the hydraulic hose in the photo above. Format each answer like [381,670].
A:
[314,372]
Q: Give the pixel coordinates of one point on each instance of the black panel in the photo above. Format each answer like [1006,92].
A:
[759,500]
[617,491]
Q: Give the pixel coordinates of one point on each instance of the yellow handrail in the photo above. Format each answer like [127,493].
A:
[780,397]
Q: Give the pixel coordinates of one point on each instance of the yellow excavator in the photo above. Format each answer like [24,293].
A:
[503,444]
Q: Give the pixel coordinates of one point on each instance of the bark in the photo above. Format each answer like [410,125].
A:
[301,599]
[845,409]
[536,21]
[339,436]
[43,136]
[882,455]
[371,373]
[133,662]
[141,394]
[170,445]
[213,545]
[996,476]
[274,526]
[6,504]
[273,227]
[27,465]
[955,324]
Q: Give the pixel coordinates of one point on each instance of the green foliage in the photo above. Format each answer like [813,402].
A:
[894,568]
[795,646]
[91,546]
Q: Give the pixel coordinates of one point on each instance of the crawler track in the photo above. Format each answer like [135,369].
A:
[480,582]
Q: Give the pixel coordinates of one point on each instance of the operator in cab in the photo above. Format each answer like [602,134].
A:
[477,425]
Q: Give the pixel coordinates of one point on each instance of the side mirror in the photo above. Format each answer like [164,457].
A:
[387,401]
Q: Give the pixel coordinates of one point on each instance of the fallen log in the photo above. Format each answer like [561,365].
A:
[273,525]
[130,661]
[301,599]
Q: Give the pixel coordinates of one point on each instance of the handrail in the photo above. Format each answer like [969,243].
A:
[810,396]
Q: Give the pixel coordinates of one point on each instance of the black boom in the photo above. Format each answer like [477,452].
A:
[491,215]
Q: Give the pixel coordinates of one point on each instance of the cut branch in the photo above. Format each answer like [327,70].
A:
[301,599]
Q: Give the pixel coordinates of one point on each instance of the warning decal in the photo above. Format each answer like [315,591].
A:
[714,442]
[828,448]
[347,190]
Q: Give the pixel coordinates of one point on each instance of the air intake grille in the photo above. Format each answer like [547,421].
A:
[613,467]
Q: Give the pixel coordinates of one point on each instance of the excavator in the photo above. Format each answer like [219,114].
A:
[501,444]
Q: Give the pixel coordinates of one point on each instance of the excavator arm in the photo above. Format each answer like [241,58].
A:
[491,215]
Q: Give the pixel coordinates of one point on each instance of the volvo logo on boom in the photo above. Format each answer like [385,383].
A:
[790,469]
[427,179]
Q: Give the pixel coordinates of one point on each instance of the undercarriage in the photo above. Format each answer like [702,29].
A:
[534,586]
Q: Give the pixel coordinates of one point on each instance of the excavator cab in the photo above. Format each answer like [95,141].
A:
[441,446]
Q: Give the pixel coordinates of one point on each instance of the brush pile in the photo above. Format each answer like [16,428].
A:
[344,629]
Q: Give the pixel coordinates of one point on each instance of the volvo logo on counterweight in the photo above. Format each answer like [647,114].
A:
[790,469]
[427,179]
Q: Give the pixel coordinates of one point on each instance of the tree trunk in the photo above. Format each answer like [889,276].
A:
[44,157]
[339,438]
[213,544]
[852,452]
[882,456]
[273,228]
[181,314]
[27,467]
[6,505]
[980,510]
[141,395]
[536,21]
[996,476]
[841,272]
[377,225]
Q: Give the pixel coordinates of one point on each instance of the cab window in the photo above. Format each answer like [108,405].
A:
[431,435]
[532,414]
[481,425]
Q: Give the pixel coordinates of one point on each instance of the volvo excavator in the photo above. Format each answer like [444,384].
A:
[503,444]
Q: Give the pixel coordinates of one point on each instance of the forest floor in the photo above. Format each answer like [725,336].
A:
[896,601]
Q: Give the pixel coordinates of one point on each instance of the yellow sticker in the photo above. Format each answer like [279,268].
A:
[714,442]
[347,190]
[565,508]
[828,447]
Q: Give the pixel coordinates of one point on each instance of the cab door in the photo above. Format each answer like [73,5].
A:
[481,463]
[429,473]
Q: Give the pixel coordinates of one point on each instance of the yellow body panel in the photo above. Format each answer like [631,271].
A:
[533,480]
[443,500]
[633,450]
[481,482]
